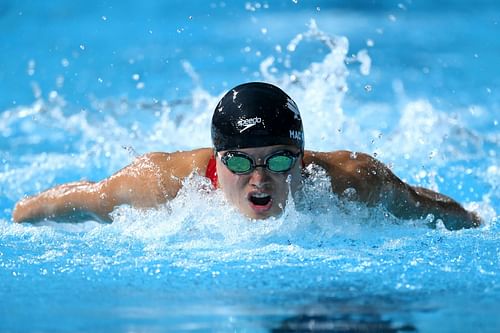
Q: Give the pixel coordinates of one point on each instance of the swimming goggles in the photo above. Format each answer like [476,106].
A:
[240,163]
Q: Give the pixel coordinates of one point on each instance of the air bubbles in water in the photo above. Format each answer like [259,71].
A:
[368,88]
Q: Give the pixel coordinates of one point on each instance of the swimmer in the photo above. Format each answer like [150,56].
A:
[257,156]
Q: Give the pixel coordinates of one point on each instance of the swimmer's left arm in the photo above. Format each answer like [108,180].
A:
[410,202]
[375,184]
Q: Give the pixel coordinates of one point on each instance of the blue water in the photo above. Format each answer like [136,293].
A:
[87,86]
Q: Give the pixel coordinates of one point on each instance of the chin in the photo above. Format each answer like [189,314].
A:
[262,215]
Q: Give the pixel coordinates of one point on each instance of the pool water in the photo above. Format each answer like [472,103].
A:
[85,87]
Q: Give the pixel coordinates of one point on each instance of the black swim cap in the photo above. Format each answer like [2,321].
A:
[256,114]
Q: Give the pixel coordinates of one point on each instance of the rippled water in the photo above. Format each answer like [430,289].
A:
[86,88]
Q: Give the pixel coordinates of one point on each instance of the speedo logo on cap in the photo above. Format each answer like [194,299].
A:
[244,124]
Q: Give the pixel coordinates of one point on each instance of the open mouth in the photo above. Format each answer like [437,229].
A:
[260,199]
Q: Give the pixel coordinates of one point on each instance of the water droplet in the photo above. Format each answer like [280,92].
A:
[136,77]
[140,85]
[353,155]
[82,47]
[350,193]
[368,88]
[31,67]
[318,9]
[295,1]
[99,80]
[392,18]
[53,94]
[263,31]
[104,18]
[370,43]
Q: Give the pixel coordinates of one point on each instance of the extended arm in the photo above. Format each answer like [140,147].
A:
[406,201]
[149,181]
[375,184]
[72,202]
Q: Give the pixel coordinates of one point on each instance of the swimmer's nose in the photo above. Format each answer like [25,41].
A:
[259,177]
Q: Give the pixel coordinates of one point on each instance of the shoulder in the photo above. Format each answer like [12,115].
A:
[179,163]
[348,169]
[158,175]
[341,160]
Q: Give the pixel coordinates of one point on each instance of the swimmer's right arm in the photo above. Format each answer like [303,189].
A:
[72,202]
[148,182]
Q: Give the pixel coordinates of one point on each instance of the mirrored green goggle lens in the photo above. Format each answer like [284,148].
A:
[279,163]
[239,164]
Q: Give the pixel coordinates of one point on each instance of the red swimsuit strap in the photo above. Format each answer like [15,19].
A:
[211,172]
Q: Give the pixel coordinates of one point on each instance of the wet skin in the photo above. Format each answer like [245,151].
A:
[155,178]
[260,193]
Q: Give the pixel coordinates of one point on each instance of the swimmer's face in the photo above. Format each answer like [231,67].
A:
[260,193]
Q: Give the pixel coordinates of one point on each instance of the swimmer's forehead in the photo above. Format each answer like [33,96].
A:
[266,150]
